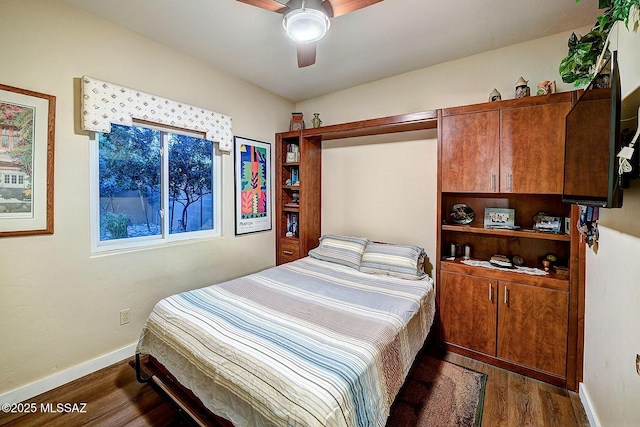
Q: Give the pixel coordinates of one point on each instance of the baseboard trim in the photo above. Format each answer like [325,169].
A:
[588,406]
[63,377]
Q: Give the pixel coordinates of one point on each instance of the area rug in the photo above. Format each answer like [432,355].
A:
[439,394]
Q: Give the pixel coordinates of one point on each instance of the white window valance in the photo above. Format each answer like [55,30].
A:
[105,103]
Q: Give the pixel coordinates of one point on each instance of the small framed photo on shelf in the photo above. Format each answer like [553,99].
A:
[499,218]
[547,223]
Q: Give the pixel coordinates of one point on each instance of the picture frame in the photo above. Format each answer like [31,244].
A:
[27,138]
[499,218]
[252,165]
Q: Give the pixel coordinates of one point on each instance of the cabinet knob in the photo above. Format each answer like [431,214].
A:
[490,292]
[288,252]
[493,181]
[506,293]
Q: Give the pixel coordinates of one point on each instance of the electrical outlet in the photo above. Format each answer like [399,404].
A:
[638,363]
[124,316]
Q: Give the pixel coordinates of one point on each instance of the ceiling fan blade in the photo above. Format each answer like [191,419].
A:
[272,5]
[306,54]
[341,7]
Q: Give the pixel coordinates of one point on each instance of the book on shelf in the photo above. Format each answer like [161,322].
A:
[295,177]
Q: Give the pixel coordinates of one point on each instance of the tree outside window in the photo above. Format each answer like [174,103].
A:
[142,196]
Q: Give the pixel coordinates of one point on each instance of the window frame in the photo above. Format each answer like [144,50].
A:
[164,238]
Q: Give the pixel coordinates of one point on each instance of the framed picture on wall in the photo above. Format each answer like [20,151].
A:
[252,185]
[27,129]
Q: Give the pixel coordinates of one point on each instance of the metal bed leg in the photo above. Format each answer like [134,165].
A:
[139,376]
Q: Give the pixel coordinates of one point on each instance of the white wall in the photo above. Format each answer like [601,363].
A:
[59,306]
[612,329]
[612,312]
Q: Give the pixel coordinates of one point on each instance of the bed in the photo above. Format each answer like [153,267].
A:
[326,340]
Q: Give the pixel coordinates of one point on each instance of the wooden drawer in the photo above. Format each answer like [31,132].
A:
[289,252]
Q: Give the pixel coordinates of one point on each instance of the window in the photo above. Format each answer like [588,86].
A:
[152,185]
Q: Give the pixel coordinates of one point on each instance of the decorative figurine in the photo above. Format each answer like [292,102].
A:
[522,90]
[495,96]
[316,122]
[546,87]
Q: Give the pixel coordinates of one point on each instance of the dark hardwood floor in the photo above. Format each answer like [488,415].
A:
[113,397]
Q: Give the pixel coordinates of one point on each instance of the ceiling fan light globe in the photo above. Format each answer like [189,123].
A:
[306,25]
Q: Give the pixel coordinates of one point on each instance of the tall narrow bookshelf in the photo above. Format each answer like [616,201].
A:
[297,192]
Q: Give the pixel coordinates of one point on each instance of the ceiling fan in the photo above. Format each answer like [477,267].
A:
[307,21]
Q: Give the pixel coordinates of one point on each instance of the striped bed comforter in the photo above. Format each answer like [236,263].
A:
[308,343]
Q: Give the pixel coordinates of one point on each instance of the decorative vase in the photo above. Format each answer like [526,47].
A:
[546,87]
[522,90]
[316,122]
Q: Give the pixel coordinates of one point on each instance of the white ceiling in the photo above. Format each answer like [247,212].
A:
[382,40]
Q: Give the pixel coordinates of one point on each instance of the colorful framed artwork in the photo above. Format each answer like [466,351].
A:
[27,130]
[252,185]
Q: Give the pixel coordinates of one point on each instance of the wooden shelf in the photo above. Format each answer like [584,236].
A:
[550,281]
[560,237]
[391,124]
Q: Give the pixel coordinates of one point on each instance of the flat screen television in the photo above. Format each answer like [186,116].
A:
[592,142]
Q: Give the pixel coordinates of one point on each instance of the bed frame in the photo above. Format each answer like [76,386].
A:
[150,371]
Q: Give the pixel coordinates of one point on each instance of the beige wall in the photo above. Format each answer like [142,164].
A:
[59,306]
[376,187]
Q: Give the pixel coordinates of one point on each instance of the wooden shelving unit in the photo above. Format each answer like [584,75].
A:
[509,154]
[289,248]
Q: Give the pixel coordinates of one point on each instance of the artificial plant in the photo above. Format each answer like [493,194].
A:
[578,67]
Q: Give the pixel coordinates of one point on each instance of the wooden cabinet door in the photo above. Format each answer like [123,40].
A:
[532,149]
[468,311]
[470,152]
[532,326]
